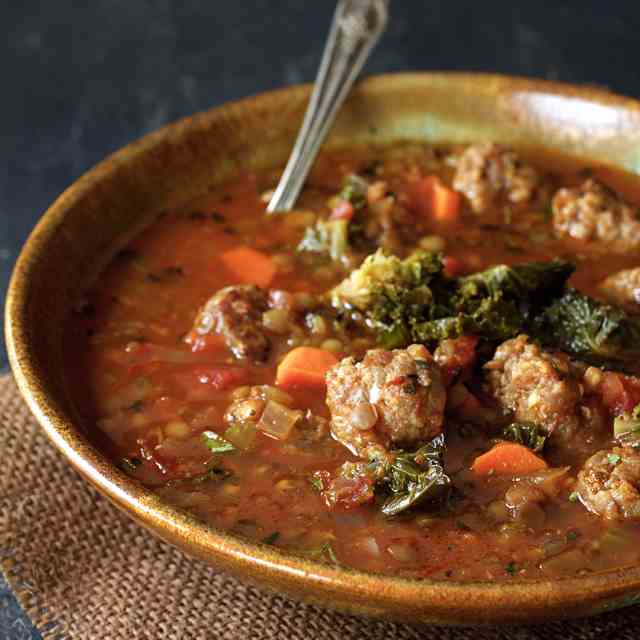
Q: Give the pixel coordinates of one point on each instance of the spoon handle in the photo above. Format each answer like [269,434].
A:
[357,25]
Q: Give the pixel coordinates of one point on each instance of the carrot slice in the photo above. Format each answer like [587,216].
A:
[249,266]
[445,202]
[433,199]
[305,367]
[508,459]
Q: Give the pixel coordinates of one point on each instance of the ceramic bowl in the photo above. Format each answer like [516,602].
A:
[81,231]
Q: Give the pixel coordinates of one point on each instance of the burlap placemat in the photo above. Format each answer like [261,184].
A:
[84,571]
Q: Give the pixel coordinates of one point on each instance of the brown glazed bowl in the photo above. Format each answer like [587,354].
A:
[97,214]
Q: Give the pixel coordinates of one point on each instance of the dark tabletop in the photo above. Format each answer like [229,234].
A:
[83,79]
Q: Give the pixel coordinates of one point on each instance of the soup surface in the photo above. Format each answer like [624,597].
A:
[428,369]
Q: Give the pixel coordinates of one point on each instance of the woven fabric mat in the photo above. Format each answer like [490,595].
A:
[82,570]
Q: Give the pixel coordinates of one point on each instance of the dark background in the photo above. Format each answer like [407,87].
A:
[79,80]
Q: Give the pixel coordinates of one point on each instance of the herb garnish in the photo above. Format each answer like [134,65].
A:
[324,552]
[271,538]
[316,483]
[216,443]
[216,474]
[129,464]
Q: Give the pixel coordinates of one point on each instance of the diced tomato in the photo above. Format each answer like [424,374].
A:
[432,199]
[201,383]
[456,357]
[620,393]
[462,402]
[347,493]
[342,211]
[452,266]
[209,343]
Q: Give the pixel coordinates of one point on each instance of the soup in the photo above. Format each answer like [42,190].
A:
[428,369]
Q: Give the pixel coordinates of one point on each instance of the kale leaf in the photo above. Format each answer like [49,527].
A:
[492,318]
[414,478]
[391,293]
[593,331]
[521,282]
[497,303]
[412,300]
[527,433]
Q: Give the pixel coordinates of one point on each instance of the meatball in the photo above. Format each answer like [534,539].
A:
[595,214]
[623,288]
[488,175]
[390,399]
[535,385]
[608,484]
[236,314]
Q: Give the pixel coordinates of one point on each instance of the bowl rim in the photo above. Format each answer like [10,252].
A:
[500,599]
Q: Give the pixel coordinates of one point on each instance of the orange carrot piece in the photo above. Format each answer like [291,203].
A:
[508,459]
[432,198]
[445,202]
[305,367]
[249,266]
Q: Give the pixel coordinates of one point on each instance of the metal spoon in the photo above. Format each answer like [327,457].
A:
[357,25]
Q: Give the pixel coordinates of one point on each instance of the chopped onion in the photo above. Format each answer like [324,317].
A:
[240,393]
[248,410]
[551,481]
[267,392]
[277,420]
[333,345]
[568,562]
[402,552]
[369,545]
[242,435]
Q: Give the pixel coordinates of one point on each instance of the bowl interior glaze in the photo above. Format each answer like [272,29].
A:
[93,218]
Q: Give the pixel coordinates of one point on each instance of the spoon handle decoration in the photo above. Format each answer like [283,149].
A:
[357,26]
